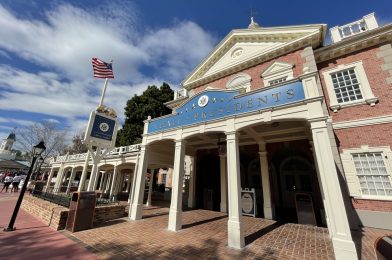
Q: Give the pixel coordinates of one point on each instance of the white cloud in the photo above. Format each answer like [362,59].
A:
[62,46]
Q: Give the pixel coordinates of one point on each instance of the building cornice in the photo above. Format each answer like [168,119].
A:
[354,43]
[363,122]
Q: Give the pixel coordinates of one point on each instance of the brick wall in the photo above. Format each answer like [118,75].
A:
[256,71]
[377,77]
[373,205]
[109,212]
[373,136]
[55,216]
[51,214]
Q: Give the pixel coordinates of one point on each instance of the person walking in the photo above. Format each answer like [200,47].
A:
[7,182]
[15,183]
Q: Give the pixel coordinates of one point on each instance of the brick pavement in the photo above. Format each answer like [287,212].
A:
[33,239]
[204,236]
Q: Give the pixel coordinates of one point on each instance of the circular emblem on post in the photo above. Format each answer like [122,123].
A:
[203,101]
[104,127]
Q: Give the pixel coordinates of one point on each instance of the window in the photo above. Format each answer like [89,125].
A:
[347,85]
[368,171]
[372,174]
[277,81]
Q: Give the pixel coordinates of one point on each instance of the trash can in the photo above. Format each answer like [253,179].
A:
[81,211]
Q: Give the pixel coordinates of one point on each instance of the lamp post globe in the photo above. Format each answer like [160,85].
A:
[37,151]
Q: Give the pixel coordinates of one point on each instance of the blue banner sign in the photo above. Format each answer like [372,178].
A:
[217,104]
[103,128]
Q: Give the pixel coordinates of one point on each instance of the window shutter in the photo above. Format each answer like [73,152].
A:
[351,175]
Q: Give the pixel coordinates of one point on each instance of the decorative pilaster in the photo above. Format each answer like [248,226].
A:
[234,225]
[338,227]
[175,212]
[223,183]
[265,179]
[192,184]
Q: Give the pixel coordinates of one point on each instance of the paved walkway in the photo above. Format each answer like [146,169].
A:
[204,236]
[33,239]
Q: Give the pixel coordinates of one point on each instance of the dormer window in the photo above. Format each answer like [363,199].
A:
[277,73]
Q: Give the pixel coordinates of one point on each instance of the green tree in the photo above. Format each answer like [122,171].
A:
[138,108]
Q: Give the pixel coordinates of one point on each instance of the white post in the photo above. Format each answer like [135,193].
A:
[175,212]
[339,228]
[265,179]
[103,92]
[115,173]
[148,204]
[84,173]
[223,182]
[99,173]
[192,184]
[234,225]
[49,179]
[103,176]
[137,203]
[71,178]
[128,182]
[93,176]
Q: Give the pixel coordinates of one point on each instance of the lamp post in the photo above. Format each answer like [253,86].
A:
[37,151]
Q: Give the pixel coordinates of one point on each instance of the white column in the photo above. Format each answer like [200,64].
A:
[223,182]
[93,176]
[148,204]
[71,178]
[112,188]
[49,179]
[132,192]
[59,178]
[192,184]
[175,212]
[265,179]
[84,173]
[338,227]
[234,225]
[137,203]
[102,181]
[109,182]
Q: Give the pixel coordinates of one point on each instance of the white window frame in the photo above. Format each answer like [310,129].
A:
[366,91]
[351,174]
[239,81]
[276,71]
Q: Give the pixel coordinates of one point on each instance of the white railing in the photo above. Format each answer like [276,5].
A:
[180,93]
[82,156]
[368,22]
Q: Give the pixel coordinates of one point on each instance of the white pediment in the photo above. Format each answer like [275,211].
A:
[277,67]
[247,47]
[241,52]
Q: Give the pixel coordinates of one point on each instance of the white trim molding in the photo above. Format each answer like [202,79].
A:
[239,81]
[366,91]
[351,174]
[363,122]
[278,70]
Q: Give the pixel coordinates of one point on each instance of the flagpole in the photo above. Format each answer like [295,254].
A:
[103,91]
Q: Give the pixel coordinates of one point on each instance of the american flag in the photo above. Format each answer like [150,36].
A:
[102,69]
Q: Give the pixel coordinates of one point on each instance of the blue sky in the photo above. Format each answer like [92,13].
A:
[46,47]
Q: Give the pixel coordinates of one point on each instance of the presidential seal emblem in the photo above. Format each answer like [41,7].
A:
[104,127]
[203,101]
